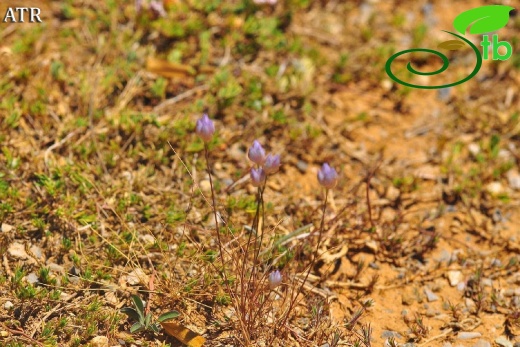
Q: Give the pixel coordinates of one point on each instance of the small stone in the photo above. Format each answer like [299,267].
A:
[513,178]
[136,276]
[31,278]
[454,277]
[461,286]
[482,343]
[8,305]
[386,85]
[495,188]
[446,344]
[6,228]
[431,296]
[407,299]
[4,333]
[503,341]
[467,335]
[205,186]
[17,250]
[99,341]
[496,262]
[74,271]
[111,298]
[65,296]
[302,166]
[57,268]
[147,239]
[388,333]
[392,193]
[37,251]
[474,149]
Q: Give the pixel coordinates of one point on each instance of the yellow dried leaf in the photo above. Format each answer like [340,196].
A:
[183,334]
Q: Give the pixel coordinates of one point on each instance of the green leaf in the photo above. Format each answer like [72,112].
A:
[168,316]
[148,320]
[140,306]
[130,312]
[482,19]
[155,327]
[451,45]
[137,327]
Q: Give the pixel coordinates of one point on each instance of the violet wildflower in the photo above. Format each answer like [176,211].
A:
[327,176]
[257,176]
[138,6]
[275,279]
[157,8]
[256,153]
[272,164]
[205,128]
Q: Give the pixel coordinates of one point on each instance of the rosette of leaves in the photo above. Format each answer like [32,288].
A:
[145,321]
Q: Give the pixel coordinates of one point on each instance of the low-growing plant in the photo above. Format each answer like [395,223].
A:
[254,261]
[144,320]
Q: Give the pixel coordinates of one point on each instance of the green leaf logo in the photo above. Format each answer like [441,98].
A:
[482,19]
[451,45]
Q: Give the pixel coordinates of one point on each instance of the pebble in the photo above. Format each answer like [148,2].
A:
[205,186]
[392,193]
[74,271]
[495,188]
[136,276]
[513,178]
[454,277]
[474,149]
[407,299]
[99,341]
[302,166]
[37,251]
[17,250]
[482,343]
[431,296]
[31,278]
[6,228]
[57,268]
[8,305]
[467,335]
[388,333]
[503,341]
[147,239]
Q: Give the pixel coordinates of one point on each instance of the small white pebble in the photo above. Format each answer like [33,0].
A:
[466,335]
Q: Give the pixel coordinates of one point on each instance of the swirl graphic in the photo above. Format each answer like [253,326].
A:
[445,64]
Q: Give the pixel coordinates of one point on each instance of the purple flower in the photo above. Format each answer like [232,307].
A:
[157,8]
[257,176]
[275,279]
[272,163]
[327,176]
[138,6]
[256,153]
[205,128]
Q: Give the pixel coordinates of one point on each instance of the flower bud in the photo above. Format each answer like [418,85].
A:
[257,176]
[256,153]
[275,279]
[327,176]
[205,128]
[272,164]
